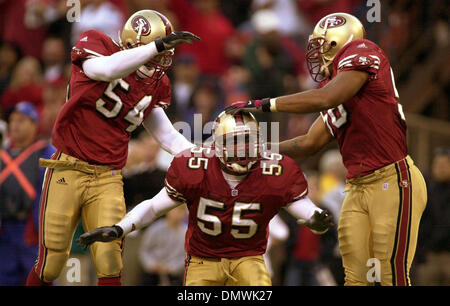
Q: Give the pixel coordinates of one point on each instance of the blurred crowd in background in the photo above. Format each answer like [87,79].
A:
[249,49]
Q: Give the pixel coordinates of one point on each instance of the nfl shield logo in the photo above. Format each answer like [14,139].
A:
[404,184]
[385,186]
[234,192]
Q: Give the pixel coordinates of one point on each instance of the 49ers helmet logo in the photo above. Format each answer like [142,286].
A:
[140,22]
[333,22]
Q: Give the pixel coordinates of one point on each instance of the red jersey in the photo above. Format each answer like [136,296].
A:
[96,122]
[226,222]
[370,127]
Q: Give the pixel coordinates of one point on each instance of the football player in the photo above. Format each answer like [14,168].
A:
[359,106]
[114,87]
[232,191]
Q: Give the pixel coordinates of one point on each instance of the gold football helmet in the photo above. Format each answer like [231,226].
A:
[142,28]
[236,141]
[330,34]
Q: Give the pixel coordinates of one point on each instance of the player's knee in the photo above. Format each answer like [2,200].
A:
[107,259]
[58,233]
[54,265]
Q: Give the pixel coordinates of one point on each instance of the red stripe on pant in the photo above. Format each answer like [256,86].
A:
[403,230]
[43,205]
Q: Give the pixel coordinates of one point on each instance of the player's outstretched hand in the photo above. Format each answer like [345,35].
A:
[174,39]
[249,106]
[319,223]
[103,234]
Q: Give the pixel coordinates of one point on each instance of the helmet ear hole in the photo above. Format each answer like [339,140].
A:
[333,43]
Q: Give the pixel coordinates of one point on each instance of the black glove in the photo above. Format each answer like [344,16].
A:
[319,223]
[250,106]
[174,39]
[103,234]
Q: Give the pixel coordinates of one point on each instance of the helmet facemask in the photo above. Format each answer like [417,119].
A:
[239,151]
[156,67]
[317,48]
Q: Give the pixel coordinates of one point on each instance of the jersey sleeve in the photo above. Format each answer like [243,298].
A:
[182,181]
[296,185]
[360,55]
[90,44]
[175,186]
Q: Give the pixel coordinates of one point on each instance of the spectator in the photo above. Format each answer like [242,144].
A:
[271,57]
[99,15]
[25,85]
[332,178]
[20,187]
[53,97]
[162,250]
[286,10]
[434,235]
[206,104]
[53,58]
[204,18]
[161,6]
[235,82]
[314,10]
[15,30]
[332,194]
[186,74]
[9,56]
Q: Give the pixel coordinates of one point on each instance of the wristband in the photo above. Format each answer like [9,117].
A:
[159,45]
[273,105]
[266,105]
[119,231]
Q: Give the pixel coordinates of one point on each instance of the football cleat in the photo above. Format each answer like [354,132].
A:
[330,34]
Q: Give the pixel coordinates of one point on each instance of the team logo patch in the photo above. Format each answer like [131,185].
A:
[141,22]
[404,184]
[363,61]
[333,22]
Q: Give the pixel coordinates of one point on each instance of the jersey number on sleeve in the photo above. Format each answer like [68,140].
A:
[198,162]
[135,116]
[211,224]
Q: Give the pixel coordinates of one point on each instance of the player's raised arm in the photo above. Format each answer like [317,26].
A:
[308,214]
[160,127]
[306,145]
[344,86]
[122,63]
[140,216]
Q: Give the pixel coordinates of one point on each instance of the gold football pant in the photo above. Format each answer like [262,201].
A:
[74,189]
[379,224]
[243,271]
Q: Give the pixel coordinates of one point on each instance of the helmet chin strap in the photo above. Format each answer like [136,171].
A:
[324,69]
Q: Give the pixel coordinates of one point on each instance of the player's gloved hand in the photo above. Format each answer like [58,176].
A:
[250,106]
[174,39]
[319,223]
[103,234]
